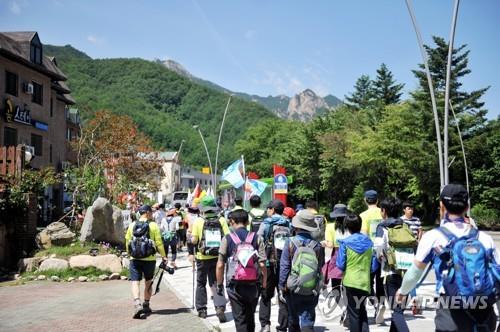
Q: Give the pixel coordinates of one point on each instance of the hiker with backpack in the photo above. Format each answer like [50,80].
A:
[256,215]
[320,220]
[370,218]
[275,230]
[300,278]
[206,235]
[168,228]
[394,244]
[469,267]
[142,241]
[355,258]
[244,254]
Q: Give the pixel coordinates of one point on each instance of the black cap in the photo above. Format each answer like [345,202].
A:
[339,210]
[145,209]
[454,197]
[371,194]
[276,204]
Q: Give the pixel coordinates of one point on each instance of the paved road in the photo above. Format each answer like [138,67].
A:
[98,306]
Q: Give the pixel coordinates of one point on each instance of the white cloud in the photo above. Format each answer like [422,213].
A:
[95,40]
[250,34]
[16,6]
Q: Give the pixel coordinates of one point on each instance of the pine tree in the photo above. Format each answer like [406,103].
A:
[362,97]
[385,89]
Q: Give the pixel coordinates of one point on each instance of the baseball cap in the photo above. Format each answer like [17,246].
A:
[454,197]
[145,209]
[276,204]
[371,194]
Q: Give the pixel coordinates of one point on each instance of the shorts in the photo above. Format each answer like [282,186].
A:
[138,268]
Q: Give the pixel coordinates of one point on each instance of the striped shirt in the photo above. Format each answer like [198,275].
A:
[414,223]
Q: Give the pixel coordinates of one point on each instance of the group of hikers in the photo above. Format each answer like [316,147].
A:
[379,256]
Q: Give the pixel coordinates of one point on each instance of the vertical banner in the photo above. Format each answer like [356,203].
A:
[280,186]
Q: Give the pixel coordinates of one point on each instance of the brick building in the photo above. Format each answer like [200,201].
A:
[34,107]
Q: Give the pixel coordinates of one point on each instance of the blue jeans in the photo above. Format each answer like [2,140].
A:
[301,312]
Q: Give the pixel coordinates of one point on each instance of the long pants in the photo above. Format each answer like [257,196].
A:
[356,309]
[301,312]
[265,302]
[243,300]
[181,235]
[461,320]
[392,284]
[172,244]
[377,286]
[206,270]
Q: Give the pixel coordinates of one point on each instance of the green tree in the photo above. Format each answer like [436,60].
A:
[386,90]
[363,94]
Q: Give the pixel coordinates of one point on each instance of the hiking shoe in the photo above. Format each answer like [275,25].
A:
[379,318]
[202,314]
[138,311]
[266,328]
[146,309]
[220,314]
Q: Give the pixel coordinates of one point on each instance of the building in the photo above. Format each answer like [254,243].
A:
[35,109]
[191,177]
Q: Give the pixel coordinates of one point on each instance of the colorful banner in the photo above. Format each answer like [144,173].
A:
[254,187]
[233,174]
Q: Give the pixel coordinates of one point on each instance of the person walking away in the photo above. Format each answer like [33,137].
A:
[181,231]
[244,254]
[238,203]
[142,241]
[192,215]
[394,244]
[168,228]
[318,234]
[159,214]
[335,231]
[458,244]
[356,260]
[275,230]
[289,213]
[256,215]
[207,234]
[300,273]
[370,219]
[415,226]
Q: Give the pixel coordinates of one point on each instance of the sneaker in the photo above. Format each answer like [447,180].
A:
[266,328]
[174,265]
[220,314]
[138,311]
[146,308]
[202,314]
[379,318]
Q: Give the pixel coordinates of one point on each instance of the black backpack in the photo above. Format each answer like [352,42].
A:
[256,221]
[211,237]
[141,246]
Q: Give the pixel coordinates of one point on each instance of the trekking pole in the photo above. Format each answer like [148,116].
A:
[194,270]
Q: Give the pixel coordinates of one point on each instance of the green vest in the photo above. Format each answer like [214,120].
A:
[358,269]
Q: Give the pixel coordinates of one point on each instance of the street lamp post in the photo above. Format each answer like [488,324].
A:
[206,150]
[218,143]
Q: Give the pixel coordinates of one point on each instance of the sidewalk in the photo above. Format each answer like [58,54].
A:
[182,281]
[97,306]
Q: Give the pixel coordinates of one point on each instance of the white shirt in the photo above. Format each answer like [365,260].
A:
[434,241]
[158,216]
[169,224]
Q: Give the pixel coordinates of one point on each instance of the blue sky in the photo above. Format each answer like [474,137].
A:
[270,47]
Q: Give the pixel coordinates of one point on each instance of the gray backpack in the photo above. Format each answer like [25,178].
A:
[304,278]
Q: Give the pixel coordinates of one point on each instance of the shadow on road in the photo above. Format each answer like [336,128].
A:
[170,311]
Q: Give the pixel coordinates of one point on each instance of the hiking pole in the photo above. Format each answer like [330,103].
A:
[192,303]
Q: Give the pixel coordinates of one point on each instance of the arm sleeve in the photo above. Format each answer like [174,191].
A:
[375,263]
[410,280]
[225,227]
[223,250]
[128,236]
[158,241]
[196,234]
[341,257]
[284,265]
[262,250]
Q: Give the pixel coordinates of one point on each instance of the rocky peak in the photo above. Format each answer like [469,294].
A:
[305,105]
[178,68]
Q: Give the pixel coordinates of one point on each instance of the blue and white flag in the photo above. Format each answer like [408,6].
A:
[254,187]
[233,174]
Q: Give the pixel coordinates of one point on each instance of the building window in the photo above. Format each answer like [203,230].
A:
[11,83]
[36,53]
[9,136]
[50,153]
[36,142]
[37,93]
[51,107]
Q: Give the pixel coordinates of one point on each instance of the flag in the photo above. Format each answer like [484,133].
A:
[233,174]
[254,187]
[196,191]
[189,199]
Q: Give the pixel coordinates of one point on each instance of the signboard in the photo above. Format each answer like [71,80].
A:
[280,184]
[41,125]
[9,110]
[22,116]
[205,170]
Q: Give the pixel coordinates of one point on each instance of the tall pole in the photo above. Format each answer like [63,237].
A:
[245,178]
[218,144]
[463,150]
[431,91]
[447,91]
[206,150]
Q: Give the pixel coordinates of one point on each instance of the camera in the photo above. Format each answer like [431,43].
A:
[167,268]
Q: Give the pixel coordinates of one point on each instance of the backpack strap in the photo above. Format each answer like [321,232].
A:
[249,238]
[448,234]
[235,238]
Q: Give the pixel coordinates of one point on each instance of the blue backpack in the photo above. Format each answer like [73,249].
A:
[471,268]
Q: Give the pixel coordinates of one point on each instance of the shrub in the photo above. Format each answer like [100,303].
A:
[485,217]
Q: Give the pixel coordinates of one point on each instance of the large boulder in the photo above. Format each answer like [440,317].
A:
[55,234]
[103,222]
[53,264]
[110,262]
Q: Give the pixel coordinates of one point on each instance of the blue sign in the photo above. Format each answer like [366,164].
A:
[280,184]
[41,125]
